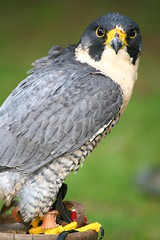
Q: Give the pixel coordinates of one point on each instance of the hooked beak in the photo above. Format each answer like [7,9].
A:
[116,44]
[116,39]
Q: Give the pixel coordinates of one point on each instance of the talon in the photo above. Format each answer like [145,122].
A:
[49,220]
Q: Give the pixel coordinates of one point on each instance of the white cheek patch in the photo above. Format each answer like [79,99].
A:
[118,67]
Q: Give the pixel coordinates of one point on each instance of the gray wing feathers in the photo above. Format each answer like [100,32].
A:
[45,116]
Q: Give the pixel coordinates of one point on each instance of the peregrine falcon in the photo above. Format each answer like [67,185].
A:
[68,103]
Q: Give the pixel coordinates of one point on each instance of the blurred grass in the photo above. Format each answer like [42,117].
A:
[106,183]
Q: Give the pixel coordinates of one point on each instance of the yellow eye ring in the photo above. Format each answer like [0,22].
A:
[100,32]
[132,33]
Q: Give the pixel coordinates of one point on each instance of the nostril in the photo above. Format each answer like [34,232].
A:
[116,34]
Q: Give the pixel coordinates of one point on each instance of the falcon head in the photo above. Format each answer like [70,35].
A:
[112,45]
[114,32]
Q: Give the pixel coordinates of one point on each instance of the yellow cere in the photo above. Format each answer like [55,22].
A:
[116,31]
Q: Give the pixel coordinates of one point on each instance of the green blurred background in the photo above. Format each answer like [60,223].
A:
[106,183]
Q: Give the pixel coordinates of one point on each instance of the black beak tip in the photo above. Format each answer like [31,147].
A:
[116,44]
[116,51]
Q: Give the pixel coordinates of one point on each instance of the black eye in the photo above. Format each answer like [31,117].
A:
[100,32]
[133,33]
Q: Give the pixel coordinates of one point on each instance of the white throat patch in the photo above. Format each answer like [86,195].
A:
[118,67]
